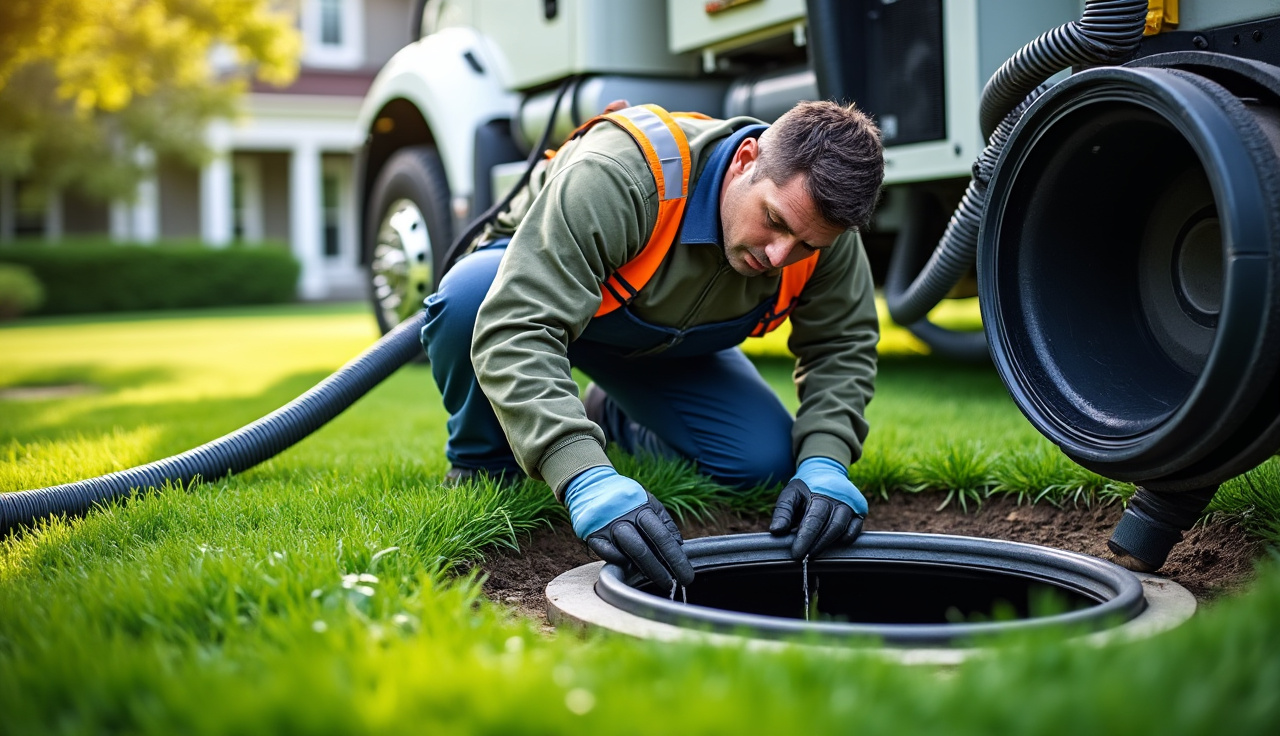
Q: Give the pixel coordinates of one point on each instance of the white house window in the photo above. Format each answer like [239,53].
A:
[337,224]
[330,187]
[237,205]
[31,205]
[331,22]
[333,33]
[246,198]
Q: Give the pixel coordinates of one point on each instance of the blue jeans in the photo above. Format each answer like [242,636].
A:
[709,407]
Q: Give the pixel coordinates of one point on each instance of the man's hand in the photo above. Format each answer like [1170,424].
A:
[826,506]
[615,106]
[624,524]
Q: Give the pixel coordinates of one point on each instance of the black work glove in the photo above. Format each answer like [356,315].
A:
[647,538]
[822,519]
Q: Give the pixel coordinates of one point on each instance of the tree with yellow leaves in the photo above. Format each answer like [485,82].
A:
[85,84]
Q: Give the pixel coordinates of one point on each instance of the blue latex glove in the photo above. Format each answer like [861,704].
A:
[822,504]
[624,524]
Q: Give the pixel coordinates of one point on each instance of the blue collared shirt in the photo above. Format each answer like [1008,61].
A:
[702,212]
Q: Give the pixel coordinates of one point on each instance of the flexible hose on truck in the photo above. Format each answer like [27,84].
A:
[1108,32]
[232,453]
[910,301]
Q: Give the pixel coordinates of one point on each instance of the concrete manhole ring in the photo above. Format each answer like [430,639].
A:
[594,596]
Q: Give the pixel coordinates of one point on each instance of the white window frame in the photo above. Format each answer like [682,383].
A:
[347,55]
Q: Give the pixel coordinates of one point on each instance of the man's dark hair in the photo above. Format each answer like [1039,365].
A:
[837,148]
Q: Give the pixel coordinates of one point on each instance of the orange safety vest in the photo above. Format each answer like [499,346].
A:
[666,149]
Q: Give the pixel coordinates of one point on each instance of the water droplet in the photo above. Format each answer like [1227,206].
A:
[804,566]
[579,701]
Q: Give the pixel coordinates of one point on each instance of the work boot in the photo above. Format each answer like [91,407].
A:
[593,400]
[630,436]
[503,478]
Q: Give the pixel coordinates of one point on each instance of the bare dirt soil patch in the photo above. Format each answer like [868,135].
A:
[1213,560]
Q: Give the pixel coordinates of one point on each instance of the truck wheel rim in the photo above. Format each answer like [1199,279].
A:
[402,264]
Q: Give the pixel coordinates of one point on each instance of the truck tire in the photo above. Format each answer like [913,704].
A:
[408,230]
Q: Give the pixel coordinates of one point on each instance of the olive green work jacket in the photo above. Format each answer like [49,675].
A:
[584,214]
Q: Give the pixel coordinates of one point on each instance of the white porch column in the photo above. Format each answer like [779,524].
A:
[137,219]
[305,218]
[215,199]
[146,212]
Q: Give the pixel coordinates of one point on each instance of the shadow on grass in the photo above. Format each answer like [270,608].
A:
[384,433]
[923,375]
[89,374]
[297,309]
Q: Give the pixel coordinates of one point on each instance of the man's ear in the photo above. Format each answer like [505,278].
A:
[744,159]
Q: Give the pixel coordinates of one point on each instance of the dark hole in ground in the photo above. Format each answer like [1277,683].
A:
[1213,560]
[879,592]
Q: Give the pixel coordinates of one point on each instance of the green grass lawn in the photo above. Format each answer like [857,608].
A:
[319,592]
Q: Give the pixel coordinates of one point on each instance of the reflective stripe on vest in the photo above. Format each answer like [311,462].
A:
[666,149]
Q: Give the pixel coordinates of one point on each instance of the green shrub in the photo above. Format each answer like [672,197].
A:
[20,291]
[106,278]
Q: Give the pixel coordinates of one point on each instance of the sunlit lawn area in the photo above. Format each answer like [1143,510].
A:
[319,592]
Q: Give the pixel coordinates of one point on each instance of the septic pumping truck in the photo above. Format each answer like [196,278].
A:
[1109,170]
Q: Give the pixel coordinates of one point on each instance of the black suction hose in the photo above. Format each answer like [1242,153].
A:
[910,301]
[274,433]
[1108,31]
[232,453]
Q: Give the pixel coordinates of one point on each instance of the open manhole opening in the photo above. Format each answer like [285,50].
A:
[900,589]
[879,592]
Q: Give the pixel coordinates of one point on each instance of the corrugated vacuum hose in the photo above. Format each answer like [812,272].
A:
[232,453]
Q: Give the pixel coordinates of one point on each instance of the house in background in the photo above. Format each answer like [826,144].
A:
[284,171]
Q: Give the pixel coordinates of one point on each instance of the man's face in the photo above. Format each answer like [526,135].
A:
[766,226]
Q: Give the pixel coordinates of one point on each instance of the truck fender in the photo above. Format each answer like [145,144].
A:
[452,78]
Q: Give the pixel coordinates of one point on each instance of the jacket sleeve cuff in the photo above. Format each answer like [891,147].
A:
[821,444]
[568,458]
